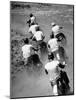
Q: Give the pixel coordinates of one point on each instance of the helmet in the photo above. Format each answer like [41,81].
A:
[26,40]
[31,15]
[53,23]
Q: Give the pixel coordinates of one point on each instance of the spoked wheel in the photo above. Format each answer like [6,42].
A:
[61,38]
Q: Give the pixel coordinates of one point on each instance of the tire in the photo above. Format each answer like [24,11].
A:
[63,83]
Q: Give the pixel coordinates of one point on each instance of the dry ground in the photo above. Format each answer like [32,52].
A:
[27,84]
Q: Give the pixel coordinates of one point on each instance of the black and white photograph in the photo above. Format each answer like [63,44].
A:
[41,49]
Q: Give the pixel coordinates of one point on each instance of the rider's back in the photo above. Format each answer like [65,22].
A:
[32,28]
[26,49]
[53,44]
[38,35]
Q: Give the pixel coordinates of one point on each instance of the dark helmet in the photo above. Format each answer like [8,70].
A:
[26,41]
[31,15]
[37,28]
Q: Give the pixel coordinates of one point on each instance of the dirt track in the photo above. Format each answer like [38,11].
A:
[35,84]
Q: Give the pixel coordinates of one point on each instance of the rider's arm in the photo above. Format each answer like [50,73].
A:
[52,35]
[33,38]
[46,71]
[48,46]
[43,37]
[29,21]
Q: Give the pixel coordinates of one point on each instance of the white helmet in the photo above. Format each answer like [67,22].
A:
[53,23]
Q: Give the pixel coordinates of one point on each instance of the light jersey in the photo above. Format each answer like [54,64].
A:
[38,35]
[56,29]
[33,19]
[53,45]
[32,29]
[52,68]
[26,49]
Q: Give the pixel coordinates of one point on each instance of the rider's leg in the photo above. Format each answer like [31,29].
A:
[56,54]
[58,57]
[55,91]
[25,61]
[54,87]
